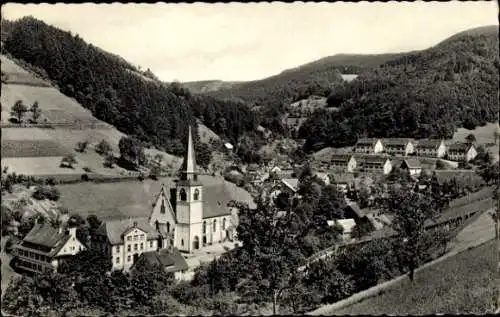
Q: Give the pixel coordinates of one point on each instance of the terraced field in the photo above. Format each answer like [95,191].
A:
[38,151]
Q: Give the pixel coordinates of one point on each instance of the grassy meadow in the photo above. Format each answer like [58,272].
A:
[462,284]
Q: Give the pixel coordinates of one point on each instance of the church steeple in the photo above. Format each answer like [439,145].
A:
[188,170]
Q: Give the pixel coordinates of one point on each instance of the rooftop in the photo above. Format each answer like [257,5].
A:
[429,143]
[171,260]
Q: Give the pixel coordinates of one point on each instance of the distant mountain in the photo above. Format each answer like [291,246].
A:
[208,85]
[420,94]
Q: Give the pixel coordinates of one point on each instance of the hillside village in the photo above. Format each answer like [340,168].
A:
[237,206]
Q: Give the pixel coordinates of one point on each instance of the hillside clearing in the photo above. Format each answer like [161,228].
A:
[48,165]
[31,134]
[32,148]
[464,283]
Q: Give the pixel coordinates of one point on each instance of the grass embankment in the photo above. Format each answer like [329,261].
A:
[464,283]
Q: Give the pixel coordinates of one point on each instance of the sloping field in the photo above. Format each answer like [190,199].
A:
[206,134]
[461,284]
[36,166]
[111,199]
[31,134]
[32,148]
[55,106]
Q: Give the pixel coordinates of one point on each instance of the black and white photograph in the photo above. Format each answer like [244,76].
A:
[250,159]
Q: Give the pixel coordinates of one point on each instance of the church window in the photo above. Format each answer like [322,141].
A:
[204,227]
[224,224]
[215,225]
[182,242]
[168,226]
[183,195]
[196,194]
[162,208]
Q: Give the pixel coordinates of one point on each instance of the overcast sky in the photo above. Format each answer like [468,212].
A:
[237,41]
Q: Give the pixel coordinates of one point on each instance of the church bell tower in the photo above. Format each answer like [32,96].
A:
[189,202]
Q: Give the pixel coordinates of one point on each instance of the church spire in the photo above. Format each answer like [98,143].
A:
[188,170]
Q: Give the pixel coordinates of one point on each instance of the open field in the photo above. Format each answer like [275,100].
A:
[28,148]
[55,106]
[32,134]
[130,198]
[36,166]
[464,283]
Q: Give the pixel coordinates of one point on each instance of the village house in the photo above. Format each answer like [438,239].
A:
[375,164]
[46,247]
[347,227]
[369,145]
[396,146]
[412,165]
[346,162]
[431,148]
[193,217]
[462,152]
[171,260]
[325,177]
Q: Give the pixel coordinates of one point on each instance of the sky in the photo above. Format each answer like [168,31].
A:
[245,41]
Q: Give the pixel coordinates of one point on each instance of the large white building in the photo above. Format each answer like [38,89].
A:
[194,216]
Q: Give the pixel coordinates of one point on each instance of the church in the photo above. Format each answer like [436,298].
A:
[192,217]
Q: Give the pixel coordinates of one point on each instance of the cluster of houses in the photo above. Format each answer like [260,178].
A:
[380,155]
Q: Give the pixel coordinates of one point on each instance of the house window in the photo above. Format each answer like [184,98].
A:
[151,243]
[117,248]
[128,258]
[142,246]
[117,260]
[183,195]
[136,237]
[162,208]
[224,224]
[129,248]
[129,238]
[196,194]
[215,225]
[142,236]
[135,247]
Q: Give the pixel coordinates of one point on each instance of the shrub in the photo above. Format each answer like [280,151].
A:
[44,192]
[50,181]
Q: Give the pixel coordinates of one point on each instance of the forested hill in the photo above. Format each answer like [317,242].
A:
[116,92]
[423,94]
